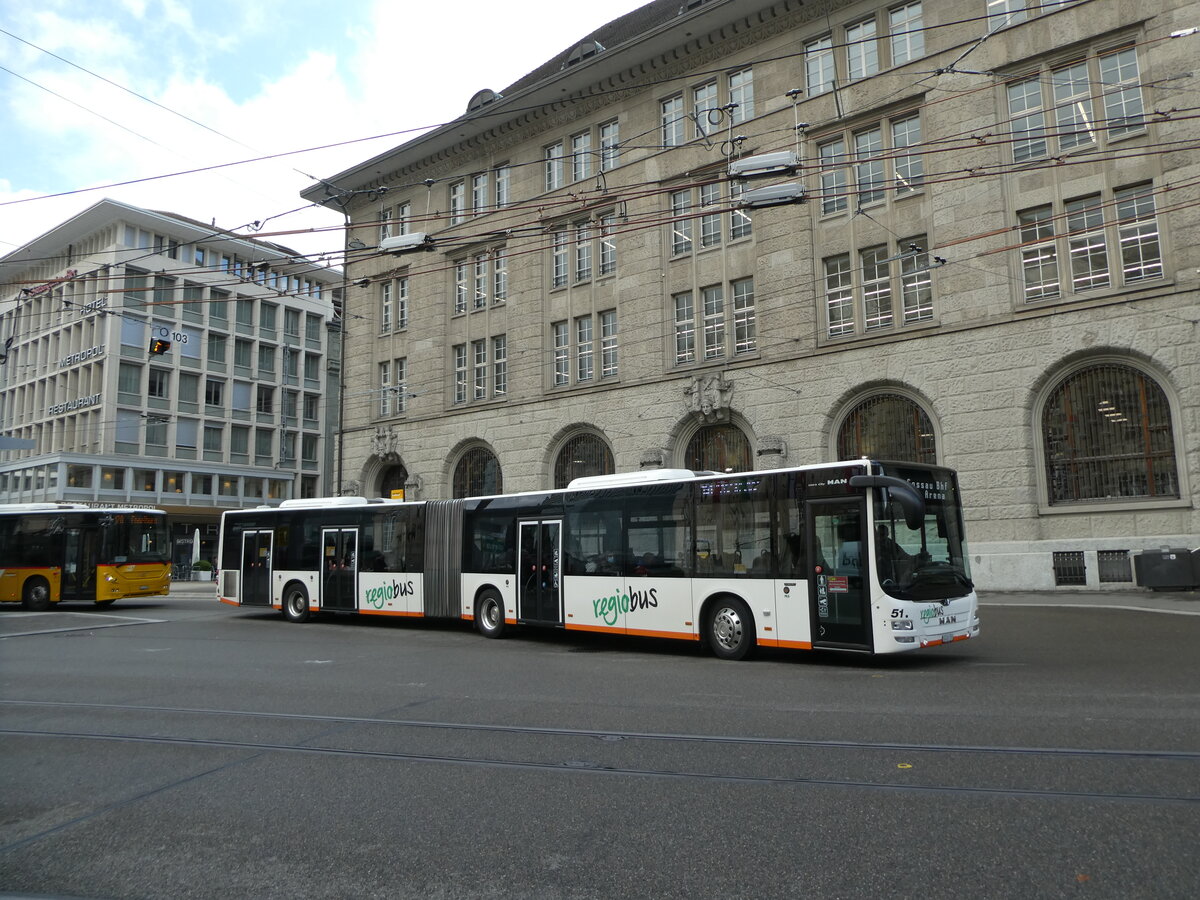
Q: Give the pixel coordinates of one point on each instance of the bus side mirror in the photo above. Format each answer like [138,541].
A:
[901,491]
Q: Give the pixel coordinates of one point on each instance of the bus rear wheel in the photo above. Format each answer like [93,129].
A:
[295,604]
[730,629]
[36,595]
[489,614]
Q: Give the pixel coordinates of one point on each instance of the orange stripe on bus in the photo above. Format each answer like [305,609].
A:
[602,629]
[390,612]
[679,635]
[230,602]
[790,645]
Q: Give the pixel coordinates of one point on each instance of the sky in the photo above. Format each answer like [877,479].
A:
[97,93]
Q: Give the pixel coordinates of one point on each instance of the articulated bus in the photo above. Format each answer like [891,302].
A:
[862,556]
[54,552]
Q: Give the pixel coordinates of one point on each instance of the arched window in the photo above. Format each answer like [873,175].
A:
[393,480]
[887,426]
[582,455]
[719,448]
[477,474]
[1106,433]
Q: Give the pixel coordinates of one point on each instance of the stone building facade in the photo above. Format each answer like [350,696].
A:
[738,234]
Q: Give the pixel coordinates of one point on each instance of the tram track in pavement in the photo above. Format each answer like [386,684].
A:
[1113,765]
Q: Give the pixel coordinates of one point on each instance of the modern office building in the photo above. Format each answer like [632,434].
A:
[735,234]
[155,360]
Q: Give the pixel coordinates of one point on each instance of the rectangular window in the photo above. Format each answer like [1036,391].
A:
[1086,244]
[385,223]
[458,202]
[839,295]
[1072,99]
[189,388]
[610,146]
[909,168]
[402,219]
[245,311]
[818,65]
[479,194]
[553,156]
[214,392]
[710,223]
[266,361]
[482,281]
[460,287]
[402,302]
[713,299]
[868,165]
[214,438]
[159,384]
[1122,92]
[479,369]
[704,101]
[460,373]
[685,329]
[499,366]
[1039,255]
[385,388]
[681,223]
[740,224]
[1137,234]
[559,260]
[906,33]
[583,251]
[129,380]
[499,275]
[503,182]
[562,353]
[916,284]
[745,328]
[877,287]
[741,95]
[672,121]
[581,156]
[833,176]
[585,365]
[1028,119]
[862,50]
[608,344]
[385,307]
[265,399]
[400,385]
[608,244]
[1002,13]
[291,323]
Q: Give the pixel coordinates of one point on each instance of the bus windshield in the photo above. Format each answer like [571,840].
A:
[138,538]
[929,562]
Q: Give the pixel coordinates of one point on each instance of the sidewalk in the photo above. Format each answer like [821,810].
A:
[1186,603]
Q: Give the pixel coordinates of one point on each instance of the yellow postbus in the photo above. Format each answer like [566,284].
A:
[69,552]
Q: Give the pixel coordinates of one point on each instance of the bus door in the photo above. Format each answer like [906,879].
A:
[339,568]
[255,589]
[539,549]
[838,594]
[79,564]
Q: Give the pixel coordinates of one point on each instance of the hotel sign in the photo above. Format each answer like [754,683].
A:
[74,359]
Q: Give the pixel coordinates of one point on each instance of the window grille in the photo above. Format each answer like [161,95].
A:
[583,455]
[719,448]
[887,426]
[1069,567]
[1114,566]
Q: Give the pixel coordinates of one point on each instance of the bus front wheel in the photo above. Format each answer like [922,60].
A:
[489,614]
[36,595]
[730,630]
[295,604]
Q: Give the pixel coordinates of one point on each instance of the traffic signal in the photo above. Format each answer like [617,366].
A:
[158,345]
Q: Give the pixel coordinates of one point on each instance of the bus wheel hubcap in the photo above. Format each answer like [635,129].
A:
[727,628]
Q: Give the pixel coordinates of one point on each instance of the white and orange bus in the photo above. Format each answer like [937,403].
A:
[56,552]
[862,556]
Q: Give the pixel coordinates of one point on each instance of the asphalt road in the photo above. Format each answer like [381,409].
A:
[186,749]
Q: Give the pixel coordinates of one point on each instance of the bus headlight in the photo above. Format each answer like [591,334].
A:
[902,625]
[110,578]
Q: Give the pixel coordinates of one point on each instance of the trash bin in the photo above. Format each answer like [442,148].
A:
[1167,569]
